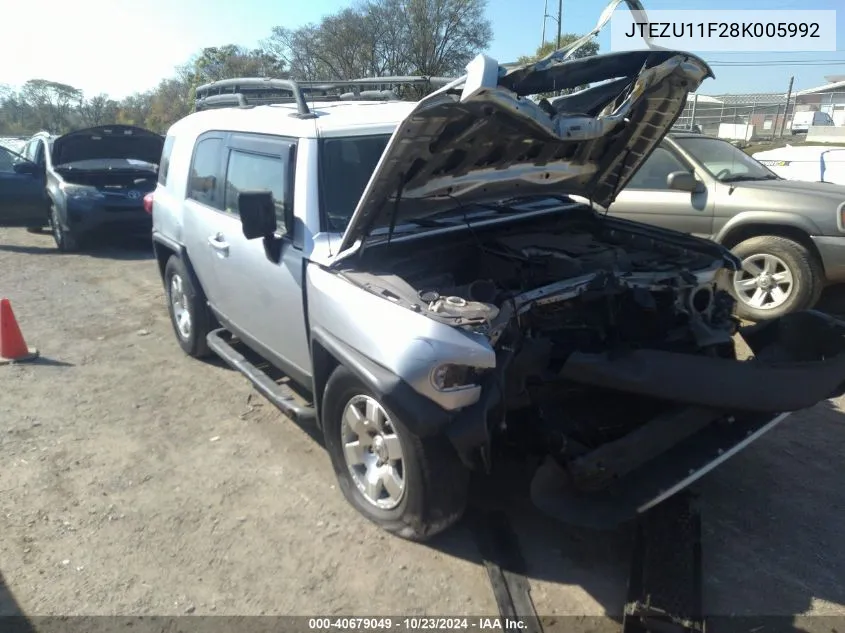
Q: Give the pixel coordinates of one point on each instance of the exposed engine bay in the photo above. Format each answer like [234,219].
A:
[579,284]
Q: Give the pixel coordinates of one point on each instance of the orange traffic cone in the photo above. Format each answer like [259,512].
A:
[13,348]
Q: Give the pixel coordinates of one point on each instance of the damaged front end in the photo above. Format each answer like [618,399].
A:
[629,386]
[619,363]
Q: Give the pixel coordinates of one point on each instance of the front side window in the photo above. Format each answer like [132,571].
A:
[202,183]
[723,161]
[346,166]
[654,172]
[8,160]
[257,172]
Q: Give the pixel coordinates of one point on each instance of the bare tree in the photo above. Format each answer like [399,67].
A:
[394,37]
[300,51]
[444,35]
[98,110]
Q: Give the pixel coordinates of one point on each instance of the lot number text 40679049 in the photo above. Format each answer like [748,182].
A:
[417,623]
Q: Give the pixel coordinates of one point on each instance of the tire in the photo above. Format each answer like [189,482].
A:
[66,241]
[184,301]
[780,259]
[435,482]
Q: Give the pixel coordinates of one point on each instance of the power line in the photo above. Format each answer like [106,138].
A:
[772,62]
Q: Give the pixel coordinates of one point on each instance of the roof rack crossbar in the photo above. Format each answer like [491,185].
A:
[240,85]
[248,91]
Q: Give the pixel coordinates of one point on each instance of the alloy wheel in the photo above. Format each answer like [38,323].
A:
[373,452]
[764,282]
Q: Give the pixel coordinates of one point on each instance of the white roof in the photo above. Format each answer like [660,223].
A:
[703,98]
[334,118]
[834,86]
[803,153]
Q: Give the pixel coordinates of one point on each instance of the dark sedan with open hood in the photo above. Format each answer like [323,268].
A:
[87,182]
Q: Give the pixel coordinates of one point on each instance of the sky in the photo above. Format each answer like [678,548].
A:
[119,47]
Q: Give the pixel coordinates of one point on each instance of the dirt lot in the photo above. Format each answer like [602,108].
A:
[138,481]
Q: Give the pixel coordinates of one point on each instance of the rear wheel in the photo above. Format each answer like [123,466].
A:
[778,276]
[66,241]
[411,486]
[189,313]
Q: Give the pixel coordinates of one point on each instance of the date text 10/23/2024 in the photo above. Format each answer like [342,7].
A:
[419,623]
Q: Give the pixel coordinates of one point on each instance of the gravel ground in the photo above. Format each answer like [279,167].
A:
[138,481]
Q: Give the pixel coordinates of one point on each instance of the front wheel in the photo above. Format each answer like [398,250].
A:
[66,241]
[189,314]
[411,486]
[778,276]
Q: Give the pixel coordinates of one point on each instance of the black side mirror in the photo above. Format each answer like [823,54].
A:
[683,181]
[258,214]
[27,168]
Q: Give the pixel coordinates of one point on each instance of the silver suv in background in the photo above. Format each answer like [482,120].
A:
[414,279]
[789,235]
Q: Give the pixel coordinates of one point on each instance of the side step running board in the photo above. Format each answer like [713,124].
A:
[278,394]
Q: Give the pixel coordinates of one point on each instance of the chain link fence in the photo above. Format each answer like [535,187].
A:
[756,116]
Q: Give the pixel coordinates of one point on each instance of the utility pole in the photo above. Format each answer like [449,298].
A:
[559,21]
[786,109]
[545,17]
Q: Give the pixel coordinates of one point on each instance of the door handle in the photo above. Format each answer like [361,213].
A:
[218,243]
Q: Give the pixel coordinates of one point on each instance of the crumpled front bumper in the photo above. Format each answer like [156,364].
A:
[722,406]
[799,360]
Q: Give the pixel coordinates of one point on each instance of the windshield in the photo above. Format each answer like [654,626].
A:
[10,158]
[346,166]
[724,161]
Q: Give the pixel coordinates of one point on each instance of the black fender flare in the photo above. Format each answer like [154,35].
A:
[422,416]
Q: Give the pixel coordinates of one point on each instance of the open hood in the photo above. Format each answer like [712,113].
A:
[481,139]
[106,142]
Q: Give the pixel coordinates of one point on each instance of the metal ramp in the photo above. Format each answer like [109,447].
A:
[664,588]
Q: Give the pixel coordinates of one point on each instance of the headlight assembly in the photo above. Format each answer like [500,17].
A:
[448,377]
[81,192]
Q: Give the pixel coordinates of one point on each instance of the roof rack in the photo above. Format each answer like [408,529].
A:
[247,92]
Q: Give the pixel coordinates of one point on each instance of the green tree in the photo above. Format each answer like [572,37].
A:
[588,49]
[51,103]
[98,110]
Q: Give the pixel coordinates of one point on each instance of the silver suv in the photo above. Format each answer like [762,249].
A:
[414,279]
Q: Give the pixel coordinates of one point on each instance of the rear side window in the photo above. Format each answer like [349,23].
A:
[38,153]
[204,176]
[257,172]
[164,164]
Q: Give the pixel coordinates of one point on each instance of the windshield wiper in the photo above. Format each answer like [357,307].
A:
[458,215]
[747,178]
